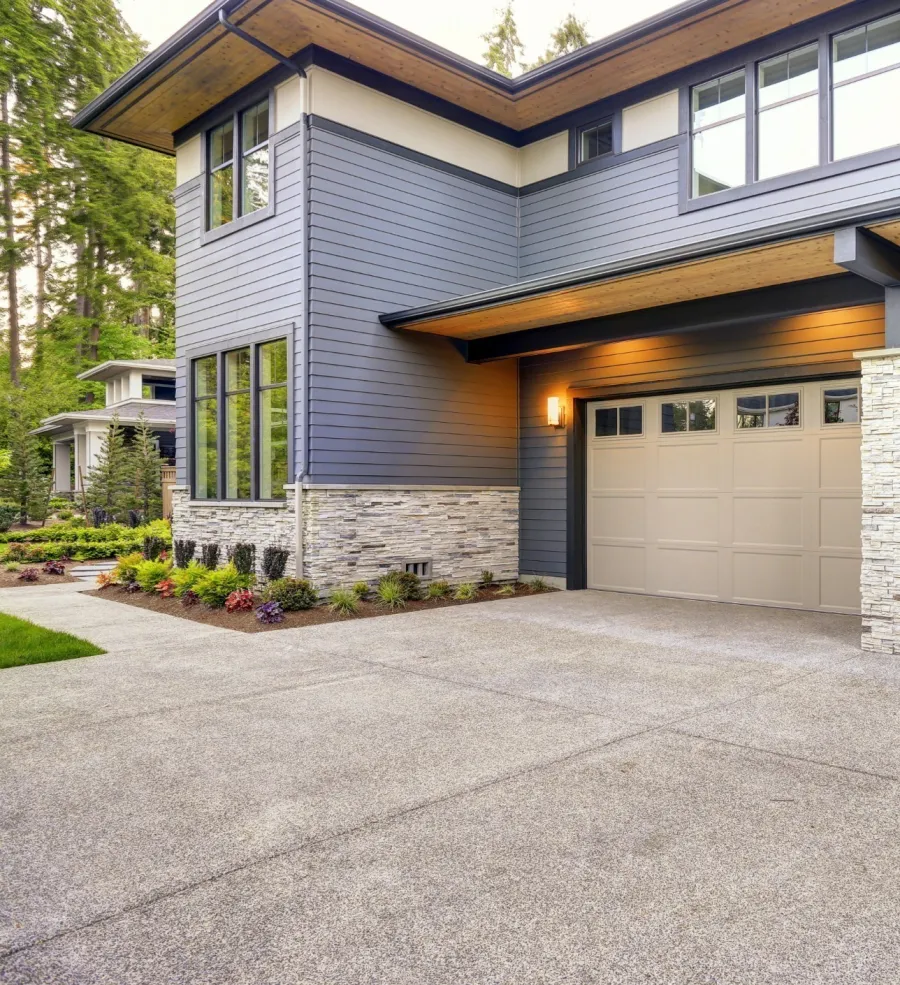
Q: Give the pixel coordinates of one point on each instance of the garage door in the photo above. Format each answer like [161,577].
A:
[748,495]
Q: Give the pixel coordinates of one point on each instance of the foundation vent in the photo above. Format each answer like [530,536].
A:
[420,568]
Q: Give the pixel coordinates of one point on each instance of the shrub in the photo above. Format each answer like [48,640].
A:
[184,552]
[187,577]
[292,594]
[29,574]
[465,592]
[59,503]
[135,518]
[240,601]
[8,516]
[361,589]
[506,590]
[209,556]
[100,518]
[154,546]
[12,566]
[132,586]
[189,598]
[274,562]
[104,579]
[78,521]
[270,612]
[438,590]
[487,578]
[65,514]
[215,586]
[243,557]
[410,584]
[125,570]
[344,602]
[148,574]
[538,585]
[390,593]
[166,588]
[54,568]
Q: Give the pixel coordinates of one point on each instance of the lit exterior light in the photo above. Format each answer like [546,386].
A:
[556,412]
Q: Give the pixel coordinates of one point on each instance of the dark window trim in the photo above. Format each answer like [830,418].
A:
[615,123]
[253,340]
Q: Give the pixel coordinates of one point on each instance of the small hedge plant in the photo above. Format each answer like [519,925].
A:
[243,557]
[209,555]
[184,579]
[465,592]
[184,552]
[410,584]
[438,590]
[125,570]
[292,594]
[148,574]
[214,587]
[274,562]
[8,516]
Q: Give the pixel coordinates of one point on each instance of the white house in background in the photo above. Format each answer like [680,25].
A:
[132,386]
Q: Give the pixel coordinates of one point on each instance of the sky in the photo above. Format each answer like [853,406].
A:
[457,25]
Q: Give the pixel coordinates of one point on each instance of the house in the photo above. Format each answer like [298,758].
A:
[630,321]
[133,387]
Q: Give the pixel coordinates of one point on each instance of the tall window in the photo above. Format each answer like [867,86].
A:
[273,419]
[788,100]
[243,139]
[866,84]
[206,428]
[240,441]
[718,134]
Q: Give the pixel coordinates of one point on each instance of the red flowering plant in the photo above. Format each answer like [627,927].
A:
[239,601]
[166,588]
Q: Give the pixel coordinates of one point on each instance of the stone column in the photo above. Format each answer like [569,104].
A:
[62,466]
[880,580]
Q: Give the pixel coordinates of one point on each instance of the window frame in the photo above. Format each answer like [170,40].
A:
[749,116]
[834,425]
[688,399]
[240,219]
[609,121]
[618,406]
[767,393]
[253,341]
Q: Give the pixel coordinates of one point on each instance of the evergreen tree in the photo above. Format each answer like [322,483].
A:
[505,48]
[23,481]
[110,482]
[569,36]
[146,470]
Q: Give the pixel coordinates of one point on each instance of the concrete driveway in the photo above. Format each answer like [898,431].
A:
[573,788]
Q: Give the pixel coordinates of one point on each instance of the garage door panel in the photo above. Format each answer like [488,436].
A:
[688,464]
[766,514]
[768,521]
[693,519]
[770,578]
[768,464]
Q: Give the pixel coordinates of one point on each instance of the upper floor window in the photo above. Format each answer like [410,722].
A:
[866,81]
[238,156]
[788,101]
[719,134]
[595,141]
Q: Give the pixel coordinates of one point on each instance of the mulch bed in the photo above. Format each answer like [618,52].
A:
[10,579]
[246,622]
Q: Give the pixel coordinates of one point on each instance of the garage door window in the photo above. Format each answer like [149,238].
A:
[841,406]
[689,415]
[612,421]
[771,410]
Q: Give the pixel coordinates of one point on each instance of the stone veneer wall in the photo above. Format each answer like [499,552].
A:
[359,533]
[880,580]
[354,533]
[229,525]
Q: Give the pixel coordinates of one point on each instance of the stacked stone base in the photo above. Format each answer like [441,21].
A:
[359,533]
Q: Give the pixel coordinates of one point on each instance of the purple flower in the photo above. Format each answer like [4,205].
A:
[270,612]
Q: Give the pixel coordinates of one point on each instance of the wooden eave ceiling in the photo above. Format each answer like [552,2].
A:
[745,270]
[217,64]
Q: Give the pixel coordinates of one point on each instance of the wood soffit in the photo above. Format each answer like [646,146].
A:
[200,74]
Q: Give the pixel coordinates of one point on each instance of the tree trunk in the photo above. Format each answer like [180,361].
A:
[12,285]
[94,337]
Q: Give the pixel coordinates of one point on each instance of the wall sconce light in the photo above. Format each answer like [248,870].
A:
[556,412]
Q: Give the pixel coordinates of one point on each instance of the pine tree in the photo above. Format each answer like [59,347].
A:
[569,36]
[110,482]
[23,481]
[505,48]
[146,470]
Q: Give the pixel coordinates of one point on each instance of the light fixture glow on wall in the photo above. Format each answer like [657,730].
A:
[556,412]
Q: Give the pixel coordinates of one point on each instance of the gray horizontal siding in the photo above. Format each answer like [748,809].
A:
[805,340]
[392,407]
[244,282]
[632,210]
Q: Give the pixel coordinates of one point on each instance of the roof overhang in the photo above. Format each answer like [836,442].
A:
[116,367]
[68,421]
[204,63]
[634,285]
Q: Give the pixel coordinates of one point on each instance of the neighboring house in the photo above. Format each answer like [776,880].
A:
[608,322]
[133,387]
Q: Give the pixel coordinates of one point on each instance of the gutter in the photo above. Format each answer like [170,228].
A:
[512,293]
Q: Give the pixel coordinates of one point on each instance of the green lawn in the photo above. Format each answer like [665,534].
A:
[23,643]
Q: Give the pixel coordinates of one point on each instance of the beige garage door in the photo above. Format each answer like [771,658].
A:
[748,495]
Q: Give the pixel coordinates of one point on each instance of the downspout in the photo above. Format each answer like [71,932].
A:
[300,472]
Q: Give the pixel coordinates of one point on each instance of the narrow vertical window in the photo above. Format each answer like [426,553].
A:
[273,419]
[718,134]
[221,175]
[238,449]
[255,158]
[206,429]
[866,86]
[788,122]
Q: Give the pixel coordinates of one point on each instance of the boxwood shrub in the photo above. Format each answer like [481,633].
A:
[292,594]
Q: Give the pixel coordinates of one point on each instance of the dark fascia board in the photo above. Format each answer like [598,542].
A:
[722,311]
[588,275]
[207,19]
